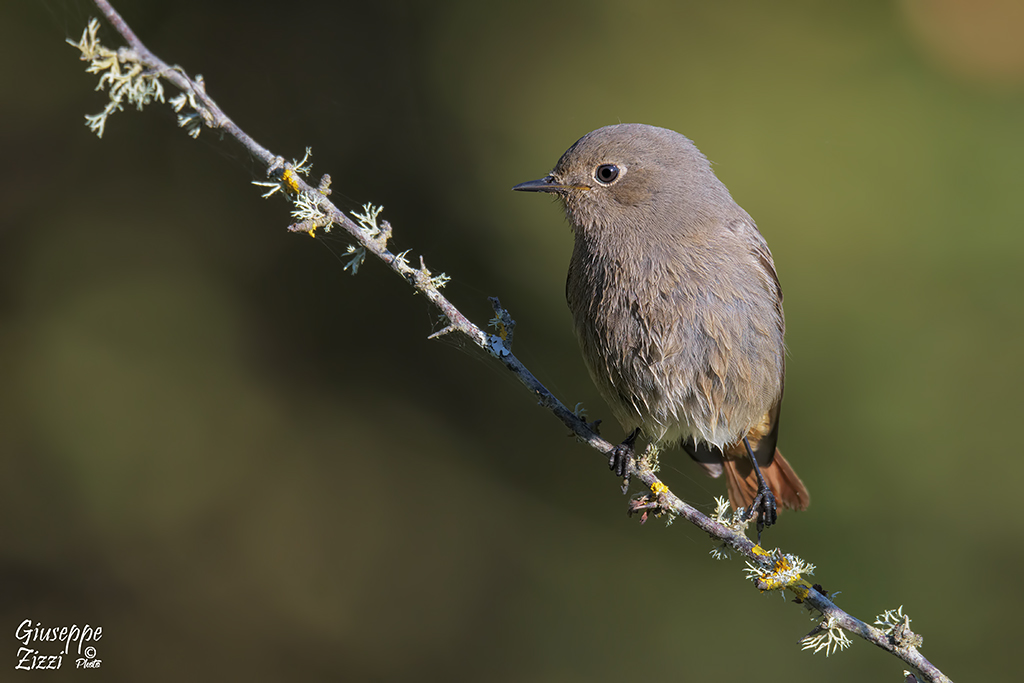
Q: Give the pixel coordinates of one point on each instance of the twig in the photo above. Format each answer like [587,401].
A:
[773,570]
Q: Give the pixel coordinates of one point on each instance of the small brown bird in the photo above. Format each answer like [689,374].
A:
[677,308]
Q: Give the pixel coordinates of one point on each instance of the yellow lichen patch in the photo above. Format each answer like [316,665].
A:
[289,179]
[800,589]
[786,572]
[758,550]
[780,576]
[657,488]
[311,232]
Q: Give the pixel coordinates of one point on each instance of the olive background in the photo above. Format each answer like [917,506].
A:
[244,463]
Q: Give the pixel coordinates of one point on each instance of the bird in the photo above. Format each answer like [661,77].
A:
[677,309]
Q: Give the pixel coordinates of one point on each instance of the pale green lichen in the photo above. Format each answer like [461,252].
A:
[191,121]
[649,460]
[124,77]
[826,636]
[725,516]
[896,625]
[401,260]
[307,210]
[722,551]
[426,279]
[304,166]
[356,260]
[274,187]
[367,219]
[440,280]
[891,618]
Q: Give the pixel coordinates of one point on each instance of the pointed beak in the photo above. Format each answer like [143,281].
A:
[545,184]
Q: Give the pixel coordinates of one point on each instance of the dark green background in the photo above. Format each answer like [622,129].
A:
[245,464]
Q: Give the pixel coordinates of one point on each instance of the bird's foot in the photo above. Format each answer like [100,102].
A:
[620,459]
[763,506]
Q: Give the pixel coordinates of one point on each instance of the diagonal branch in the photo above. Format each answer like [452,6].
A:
[133,73]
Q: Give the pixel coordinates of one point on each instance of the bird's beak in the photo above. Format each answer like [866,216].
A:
[545,184]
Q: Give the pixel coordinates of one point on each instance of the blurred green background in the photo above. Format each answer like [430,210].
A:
[245,464]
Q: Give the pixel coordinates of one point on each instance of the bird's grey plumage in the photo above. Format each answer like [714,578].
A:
[680,321]
[673,293]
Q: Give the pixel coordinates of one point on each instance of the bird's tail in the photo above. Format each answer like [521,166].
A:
[741,481]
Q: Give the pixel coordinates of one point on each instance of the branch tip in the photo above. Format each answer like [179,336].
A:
[442,332]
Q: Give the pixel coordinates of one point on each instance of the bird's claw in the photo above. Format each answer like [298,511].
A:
[763,506]
[620,459]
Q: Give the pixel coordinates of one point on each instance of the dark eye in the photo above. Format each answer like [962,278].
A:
[606,173]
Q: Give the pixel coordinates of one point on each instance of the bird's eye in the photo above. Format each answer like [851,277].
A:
[606,173]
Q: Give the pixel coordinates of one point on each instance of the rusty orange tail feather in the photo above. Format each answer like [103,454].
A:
[741,482]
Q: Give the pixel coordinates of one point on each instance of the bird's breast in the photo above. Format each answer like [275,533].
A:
[680,342]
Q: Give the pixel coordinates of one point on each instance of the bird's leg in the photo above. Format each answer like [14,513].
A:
[620,456]
[764,502]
